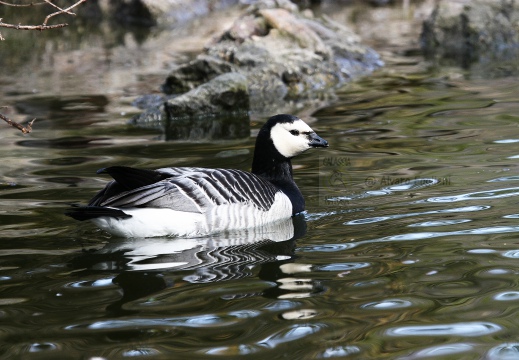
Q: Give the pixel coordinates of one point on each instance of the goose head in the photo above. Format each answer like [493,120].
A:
[280,139]
[291,136]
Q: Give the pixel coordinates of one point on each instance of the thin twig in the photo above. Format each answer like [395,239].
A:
[20,5]
[32,27]
[57,7]
[43,26]
[24,129]
[67,10]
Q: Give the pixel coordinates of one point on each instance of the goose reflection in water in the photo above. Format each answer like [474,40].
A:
[147,266]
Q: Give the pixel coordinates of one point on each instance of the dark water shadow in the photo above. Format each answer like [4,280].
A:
[232,126]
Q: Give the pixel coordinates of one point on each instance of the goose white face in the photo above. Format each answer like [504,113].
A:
[291,139]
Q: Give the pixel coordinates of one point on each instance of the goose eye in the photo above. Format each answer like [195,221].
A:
[294,132]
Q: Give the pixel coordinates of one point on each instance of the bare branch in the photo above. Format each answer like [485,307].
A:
[67,10]
[57,7]
[31,27]
[20,5]
[44,25]
[24,129]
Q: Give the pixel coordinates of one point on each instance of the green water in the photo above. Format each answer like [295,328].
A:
[409,248]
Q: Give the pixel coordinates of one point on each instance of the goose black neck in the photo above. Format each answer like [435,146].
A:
[272,169]
[269,164]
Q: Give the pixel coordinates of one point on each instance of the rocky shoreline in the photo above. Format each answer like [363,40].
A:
[481,36]
[272,54]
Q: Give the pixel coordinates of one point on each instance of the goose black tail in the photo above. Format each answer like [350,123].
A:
[83,213]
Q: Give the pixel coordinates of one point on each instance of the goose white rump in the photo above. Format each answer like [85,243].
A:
[200,201]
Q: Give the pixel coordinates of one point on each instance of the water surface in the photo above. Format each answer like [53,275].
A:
[409,248]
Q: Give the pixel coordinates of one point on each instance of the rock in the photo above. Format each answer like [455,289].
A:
[193,74]
[288,24]
[481,34]
[285,55]
[225,94]
[281,54]
[153,117]
[217,109]
[245,29]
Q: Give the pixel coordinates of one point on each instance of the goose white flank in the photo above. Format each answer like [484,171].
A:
[195,201]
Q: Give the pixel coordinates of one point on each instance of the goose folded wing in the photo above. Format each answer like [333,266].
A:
[197,189]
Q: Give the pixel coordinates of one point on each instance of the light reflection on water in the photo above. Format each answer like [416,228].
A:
[461,329]
[399,216]
[420,261]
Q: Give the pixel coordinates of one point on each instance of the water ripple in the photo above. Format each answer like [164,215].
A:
[388,304]
[326,247]
[320,215]
[422,236]
[281,305]
[39,347]
[508,351]
[344,266]
[300,314]
[478,195]
[283,336]
[513,254]
[507,296]
[293,333]
[443,350]
[440,223]
[481,251]
[506,141]
[141,352]
[499,271]
[430,212]
[241,349]
[411,184]
[399,184]
[467,329]
[340,351]
[505,178]
[91,283]
[208,320]
[431,235]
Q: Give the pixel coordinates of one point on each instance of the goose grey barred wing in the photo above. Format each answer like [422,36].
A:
[261,190]
[195,190]
[125,179]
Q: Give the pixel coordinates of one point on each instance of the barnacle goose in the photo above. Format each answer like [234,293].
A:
[189,201]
